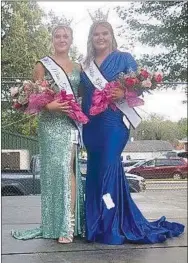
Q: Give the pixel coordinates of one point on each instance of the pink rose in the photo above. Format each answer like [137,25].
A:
[146,83]
[158,77]
[144,73]
[44,83]
[17,105]
[26,87]
[129,82]
[13,91]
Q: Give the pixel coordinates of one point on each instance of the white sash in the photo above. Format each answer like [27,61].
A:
[99,82]
[62,81]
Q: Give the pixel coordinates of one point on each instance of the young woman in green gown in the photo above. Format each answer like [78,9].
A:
[61,186]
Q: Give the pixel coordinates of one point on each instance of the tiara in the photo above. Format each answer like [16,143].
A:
[99,16]
[66,22]
[63,22]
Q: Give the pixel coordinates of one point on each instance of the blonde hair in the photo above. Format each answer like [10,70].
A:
[61,26]
[90,49]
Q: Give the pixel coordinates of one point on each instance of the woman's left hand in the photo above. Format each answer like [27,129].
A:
[117,94]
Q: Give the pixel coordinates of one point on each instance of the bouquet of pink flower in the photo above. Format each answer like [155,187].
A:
[32,97]
[23,96]
[134,85]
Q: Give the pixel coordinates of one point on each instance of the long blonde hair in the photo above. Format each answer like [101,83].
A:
[90,49]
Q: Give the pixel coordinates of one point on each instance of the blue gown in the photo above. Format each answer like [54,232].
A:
[105,137]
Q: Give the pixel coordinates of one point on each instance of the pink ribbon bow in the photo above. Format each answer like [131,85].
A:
[101,100]
[75,111]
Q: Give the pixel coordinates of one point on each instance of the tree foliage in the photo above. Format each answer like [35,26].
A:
[164,25]
[25,38]
[157,128]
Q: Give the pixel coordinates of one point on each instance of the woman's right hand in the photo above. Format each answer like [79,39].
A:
[58,106]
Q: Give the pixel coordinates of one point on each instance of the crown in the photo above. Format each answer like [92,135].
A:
[99,16]
[63,22]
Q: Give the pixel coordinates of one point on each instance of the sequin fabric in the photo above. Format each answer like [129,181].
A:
[56,147]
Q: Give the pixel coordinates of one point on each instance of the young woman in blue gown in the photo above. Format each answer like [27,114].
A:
[105,136]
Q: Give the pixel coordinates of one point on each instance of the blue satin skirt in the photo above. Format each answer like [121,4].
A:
[117,219]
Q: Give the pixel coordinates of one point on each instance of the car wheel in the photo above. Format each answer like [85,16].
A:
[177,176]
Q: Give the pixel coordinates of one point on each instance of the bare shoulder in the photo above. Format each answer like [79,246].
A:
[38,72]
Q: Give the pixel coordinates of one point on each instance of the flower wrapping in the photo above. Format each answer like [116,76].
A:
[75,111]
[101,100]
[32,97]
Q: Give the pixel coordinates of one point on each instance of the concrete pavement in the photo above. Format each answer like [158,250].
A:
[24,213]
[166,184]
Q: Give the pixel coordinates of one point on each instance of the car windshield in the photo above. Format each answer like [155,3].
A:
[183,154]
[139,163]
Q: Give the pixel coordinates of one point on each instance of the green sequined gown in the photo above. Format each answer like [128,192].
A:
[55,153]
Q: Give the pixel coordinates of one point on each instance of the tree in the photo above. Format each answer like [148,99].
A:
[5,18]
[182,126]
[157,128]
[25,39]
[161,25]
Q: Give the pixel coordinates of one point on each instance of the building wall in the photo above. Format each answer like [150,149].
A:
[142,155]
[17,141]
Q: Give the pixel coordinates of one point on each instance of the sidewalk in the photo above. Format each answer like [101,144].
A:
[24,213]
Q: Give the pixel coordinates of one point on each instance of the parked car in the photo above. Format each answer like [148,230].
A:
[158,168]
[176,154]
[130,162]
[27,182]
[183,155]
[19,183]
[136,183]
